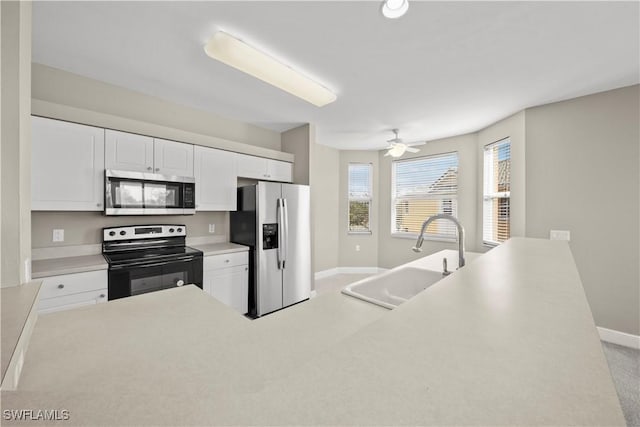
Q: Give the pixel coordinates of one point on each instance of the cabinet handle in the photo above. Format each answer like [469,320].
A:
[246,268]
[157,169]
[98,204]
[226,260]
[60,286]
[149,168]
[102,295]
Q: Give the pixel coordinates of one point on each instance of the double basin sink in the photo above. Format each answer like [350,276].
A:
[400,284]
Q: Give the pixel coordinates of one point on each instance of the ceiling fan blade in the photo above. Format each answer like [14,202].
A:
[387,154]
[412,150]
[415,143]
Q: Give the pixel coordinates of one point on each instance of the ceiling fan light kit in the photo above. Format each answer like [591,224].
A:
[393,9]
[397,147]
[241,56]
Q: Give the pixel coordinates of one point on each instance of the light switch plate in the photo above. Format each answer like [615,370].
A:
[560,235]
[212,228]
[58,235]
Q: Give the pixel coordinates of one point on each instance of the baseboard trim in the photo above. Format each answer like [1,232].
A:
[325,273]
[348,270]
[620,338]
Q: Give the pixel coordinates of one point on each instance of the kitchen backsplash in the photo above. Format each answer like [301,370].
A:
[83,228]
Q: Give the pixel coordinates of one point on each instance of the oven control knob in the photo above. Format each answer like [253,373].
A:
[122,233]
[171,230]
[179,230]
[112,233]
[180,283]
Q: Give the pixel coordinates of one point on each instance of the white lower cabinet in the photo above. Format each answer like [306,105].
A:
[73,290]
[226,278]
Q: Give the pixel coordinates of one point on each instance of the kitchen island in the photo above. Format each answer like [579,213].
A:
[509,339]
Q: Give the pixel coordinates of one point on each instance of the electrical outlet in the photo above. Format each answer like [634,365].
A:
[560,235]
[212,228]
[357,248]
[58,235]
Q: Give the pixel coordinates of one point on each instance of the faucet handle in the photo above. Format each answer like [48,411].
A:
[416,249]
[445,272]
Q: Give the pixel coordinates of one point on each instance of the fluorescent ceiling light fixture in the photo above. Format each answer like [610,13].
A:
[395,8]
[237,54]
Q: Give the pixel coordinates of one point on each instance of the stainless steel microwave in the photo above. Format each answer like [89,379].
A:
[139,193]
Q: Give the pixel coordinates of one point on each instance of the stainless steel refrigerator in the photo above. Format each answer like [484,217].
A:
[273,219]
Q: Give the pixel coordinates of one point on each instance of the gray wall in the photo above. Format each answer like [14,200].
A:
[83,228]
[15,132]
[297,141]
[393,251]
[61,87]
[325,182]
[582,175]
[349,256]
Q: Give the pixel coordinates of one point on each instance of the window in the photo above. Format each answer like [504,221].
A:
[359,197]
[421,188]
[496,222]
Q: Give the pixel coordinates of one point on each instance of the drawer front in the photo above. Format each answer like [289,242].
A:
[68,284]
[214,262]
[66,302]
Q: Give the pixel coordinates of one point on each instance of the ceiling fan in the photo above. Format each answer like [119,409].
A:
[397,147]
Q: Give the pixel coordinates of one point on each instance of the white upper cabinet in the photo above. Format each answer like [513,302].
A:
[132,152]
[263,169]
[173,158]
[279,171]
[67,166]
[128,151]
[216,179]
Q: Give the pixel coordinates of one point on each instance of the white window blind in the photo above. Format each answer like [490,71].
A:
[359,197]
[496,223]
[421,188]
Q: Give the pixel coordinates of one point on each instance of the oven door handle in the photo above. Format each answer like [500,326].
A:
[153,264]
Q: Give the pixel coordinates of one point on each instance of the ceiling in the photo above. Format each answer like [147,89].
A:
[445,68]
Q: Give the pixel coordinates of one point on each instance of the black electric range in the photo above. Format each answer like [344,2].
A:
[148,258]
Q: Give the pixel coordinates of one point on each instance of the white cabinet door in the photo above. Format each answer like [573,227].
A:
[229,286]
[279,171]
[264,169]
[252,167]
[216,179]
[172,158]
[73,290]
[67,166]
[128,151]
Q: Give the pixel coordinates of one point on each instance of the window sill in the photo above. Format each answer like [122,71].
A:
[361,233]
[426,238]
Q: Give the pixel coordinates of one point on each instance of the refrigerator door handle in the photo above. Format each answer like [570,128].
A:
[280,215]
[285,233]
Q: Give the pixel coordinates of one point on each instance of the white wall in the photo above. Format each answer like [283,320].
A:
[15,132]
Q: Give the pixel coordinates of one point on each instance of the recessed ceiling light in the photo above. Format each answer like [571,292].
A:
[237,54]
[395,8]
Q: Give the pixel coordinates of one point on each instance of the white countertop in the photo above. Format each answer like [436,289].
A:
[507,340]
[219,248]
[67,265]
